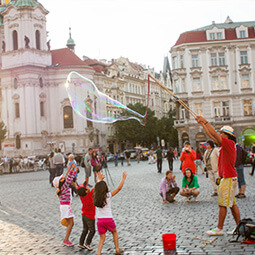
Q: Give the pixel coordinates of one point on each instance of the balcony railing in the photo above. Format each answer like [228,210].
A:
[223,118]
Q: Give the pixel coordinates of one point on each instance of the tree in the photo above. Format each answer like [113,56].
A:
[133,131]
[3,132]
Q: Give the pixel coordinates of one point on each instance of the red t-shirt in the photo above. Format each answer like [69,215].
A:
[188,161]
[227,159]
[88,208]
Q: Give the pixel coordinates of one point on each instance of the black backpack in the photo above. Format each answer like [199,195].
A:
[248,233]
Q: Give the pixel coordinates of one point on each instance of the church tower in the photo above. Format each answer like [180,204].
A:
[24,39]
[70,42]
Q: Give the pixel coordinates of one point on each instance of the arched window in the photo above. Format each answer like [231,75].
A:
[15,85]
[18,143]
[68,117]
[15,39]
[37,40]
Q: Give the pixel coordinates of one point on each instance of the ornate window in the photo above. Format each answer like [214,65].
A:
[15,39]
[18,142]
[245,81]
[38,40]
[244,57]
[196,84]
[213,59]
[247,107]
[198,109]
[221,109]
[17,113]
[219,83]
[175,66]
[195,62]
[68,117]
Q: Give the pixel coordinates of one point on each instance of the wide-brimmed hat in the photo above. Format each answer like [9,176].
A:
[227,129]
[55,181]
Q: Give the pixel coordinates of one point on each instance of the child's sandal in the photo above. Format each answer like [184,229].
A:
[119,252]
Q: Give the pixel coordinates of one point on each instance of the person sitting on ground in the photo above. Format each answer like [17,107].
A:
[190,186]
[168,188]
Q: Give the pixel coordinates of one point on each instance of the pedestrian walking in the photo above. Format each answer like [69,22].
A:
[160,156]
[116,159]
[95,163]
[170,158]
[198,161]
[59,162]
[188,157]
[128,155]
[226,168]
[211,165]
[190,186]
[64,193]
[168,188]
[102,201]
[87,164]
[239,165]
[52,168]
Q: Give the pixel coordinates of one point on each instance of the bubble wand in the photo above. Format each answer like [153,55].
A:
[174,96]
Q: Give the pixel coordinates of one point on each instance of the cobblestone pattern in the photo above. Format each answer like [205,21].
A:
[29,215]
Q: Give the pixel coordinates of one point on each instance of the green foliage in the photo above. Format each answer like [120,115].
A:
[134,132]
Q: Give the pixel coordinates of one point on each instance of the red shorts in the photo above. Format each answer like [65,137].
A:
[104,224]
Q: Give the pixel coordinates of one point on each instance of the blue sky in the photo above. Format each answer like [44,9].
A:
[141,30]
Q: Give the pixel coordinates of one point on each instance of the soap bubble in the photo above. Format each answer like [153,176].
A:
[94,105]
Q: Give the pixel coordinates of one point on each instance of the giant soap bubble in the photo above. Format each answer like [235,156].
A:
[94,105]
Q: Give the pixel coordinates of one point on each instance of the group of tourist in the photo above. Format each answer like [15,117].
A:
[223,166]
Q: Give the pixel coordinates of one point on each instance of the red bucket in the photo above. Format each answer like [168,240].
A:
[169,241]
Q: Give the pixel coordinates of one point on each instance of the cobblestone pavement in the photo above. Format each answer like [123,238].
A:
[29,215]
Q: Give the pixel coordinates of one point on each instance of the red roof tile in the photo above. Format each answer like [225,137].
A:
[96,65]
[200,36]
[66,57]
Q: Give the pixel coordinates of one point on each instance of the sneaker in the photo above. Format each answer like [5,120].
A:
[215,232]
[88,247]
[231,232]
[196,200]
[68,243]
[81,246]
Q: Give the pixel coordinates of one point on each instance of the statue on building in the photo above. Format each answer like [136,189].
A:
[27,41]
[3,46]
[48,45]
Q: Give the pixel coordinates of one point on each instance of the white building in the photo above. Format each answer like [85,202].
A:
[214,73]
[34,104]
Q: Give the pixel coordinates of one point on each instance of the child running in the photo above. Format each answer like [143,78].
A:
[64,193]
[102,201]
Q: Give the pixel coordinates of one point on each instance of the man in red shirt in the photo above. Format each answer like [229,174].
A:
[226,168]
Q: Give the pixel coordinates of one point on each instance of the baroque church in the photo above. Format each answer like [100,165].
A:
[34,104]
